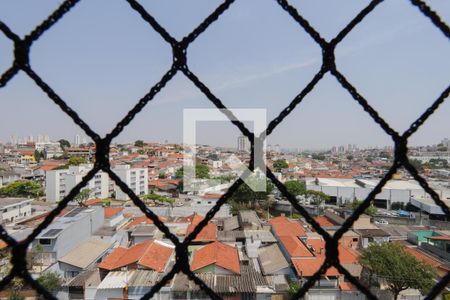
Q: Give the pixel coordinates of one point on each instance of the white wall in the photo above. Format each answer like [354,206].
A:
[16,211]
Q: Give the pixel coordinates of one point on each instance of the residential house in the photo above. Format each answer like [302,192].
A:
[13,209]
[68,232]
[83,257]
[150,255]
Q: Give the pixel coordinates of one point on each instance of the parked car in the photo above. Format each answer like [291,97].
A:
[381,222]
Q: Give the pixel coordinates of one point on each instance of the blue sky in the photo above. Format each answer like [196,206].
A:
[102,57]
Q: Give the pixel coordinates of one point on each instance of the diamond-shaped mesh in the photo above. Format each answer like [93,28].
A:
[22,63]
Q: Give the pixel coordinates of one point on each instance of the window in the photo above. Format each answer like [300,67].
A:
[45,241]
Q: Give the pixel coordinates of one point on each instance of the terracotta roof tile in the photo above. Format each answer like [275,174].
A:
[222,255]
[156,257]
[142,220]
[307,267]
[283,226]
[150,254]
[295,247]
[323,221]
[347,286]
[439,238]
[111,211]
[207,234]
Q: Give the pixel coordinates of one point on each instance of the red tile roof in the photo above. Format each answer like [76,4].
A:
[346,255]
[439,238]
[307,267]
[207,234]
[95,201]
[111,211]
[283,226]
[149,254]
[428,259]
[142,220]
[222,255]
[295,247]
[347,286]
[156,257]
[323,221]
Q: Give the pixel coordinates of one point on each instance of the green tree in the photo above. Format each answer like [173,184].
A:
[280,164]
[139,143]
[371,210]
[38,155]
[246,195]
[416,164]
[64,143]
[397,205]
[369,159]
[155,197]
[201,172]
[52,281]
[82,196]
[318,156]
[401,270]
[293,288]
[21,189]
[317,198]
[350,157]
[76,161]
[295,187]
[161,176]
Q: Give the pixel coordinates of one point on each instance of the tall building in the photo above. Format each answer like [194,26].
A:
[77,140]
[40,138]
[58,183]
[446,142]
[135,178]
[277,148]
[243,144]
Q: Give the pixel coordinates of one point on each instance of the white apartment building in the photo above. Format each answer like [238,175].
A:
[243,144]
[58,183]
[135,178]
[12,209]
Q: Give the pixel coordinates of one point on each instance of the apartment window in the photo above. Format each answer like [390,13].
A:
[45,241]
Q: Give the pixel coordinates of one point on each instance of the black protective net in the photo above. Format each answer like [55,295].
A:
[180,64]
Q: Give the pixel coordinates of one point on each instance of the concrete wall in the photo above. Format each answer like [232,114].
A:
[54,188]
[19,210]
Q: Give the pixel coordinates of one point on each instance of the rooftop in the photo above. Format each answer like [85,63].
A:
[222,255]
[5,202]
[86,253]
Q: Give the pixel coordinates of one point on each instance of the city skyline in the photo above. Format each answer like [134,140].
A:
[45,138]
[253,65]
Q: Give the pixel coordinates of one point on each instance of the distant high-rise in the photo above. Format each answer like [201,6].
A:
[334,150]
[446,142]
[277,148]
[40,138]
[46,139]
[77,140]
[243,145]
